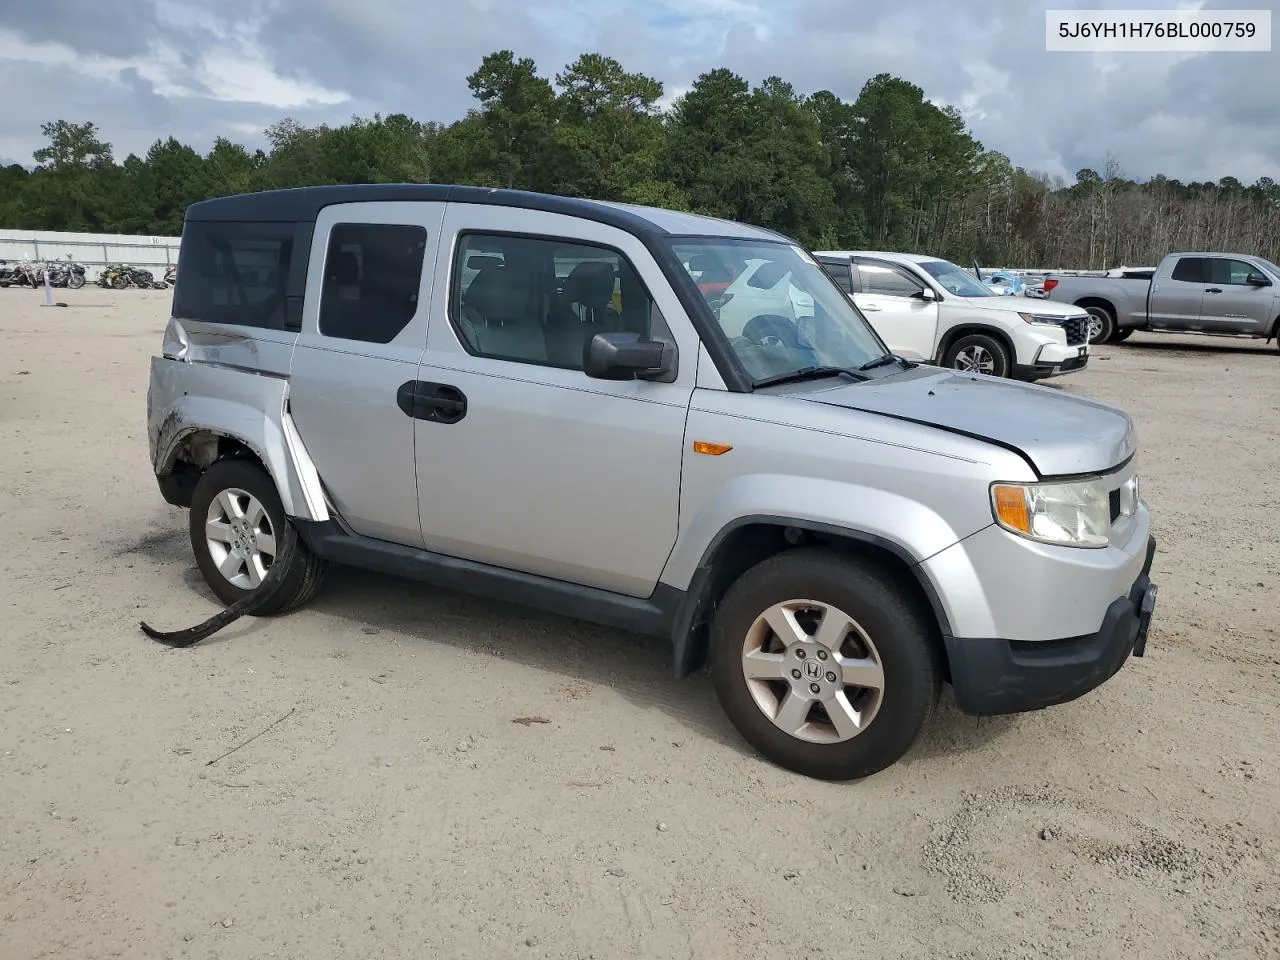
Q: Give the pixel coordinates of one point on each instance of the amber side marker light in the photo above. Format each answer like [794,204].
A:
[1011,507]
[711,449]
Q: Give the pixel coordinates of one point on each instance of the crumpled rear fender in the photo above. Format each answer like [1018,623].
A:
[190,404]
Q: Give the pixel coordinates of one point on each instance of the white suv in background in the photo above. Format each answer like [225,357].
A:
[929,309]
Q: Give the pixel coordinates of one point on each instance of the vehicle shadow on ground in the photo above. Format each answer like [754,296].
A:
[1244,348]
[636,667]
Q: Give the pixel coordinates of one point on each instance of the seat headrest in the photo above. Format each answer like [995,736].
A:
[344,269]
[498,294]
[590,283]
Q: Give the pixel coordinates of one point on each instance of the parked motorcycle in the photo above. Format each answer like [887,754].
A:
[69,274]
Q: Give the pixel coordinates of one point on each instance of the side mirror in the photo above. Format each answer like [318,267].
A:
[927,295]
[1257,280]
[625,356]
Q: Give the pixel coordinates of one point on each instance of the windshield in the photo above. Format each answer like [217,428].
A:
[780,312]
[955,280]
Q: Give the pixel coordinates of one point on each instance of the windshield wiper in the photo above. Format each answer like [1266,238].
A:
[887,359]
[808,373]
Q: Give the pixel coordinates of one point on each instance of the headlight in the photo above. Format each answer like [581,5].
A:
[1045,321]
[1072,514]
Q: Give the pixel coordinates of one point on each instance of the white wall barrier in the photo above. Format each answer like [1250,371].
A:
[92,250]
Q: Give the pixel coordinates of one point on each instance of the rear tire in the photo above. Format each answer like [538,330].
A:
[239,534]
[1122,335]
[1102,325]
[836,613]
[978,353]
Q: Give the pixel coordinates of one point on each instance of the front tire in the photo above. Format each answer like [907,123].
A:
[244,543]
[1122,335]
[979,353]
[824,664]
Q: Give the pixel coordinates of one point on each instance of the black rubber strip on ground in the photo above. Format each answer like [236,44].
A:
[193,635]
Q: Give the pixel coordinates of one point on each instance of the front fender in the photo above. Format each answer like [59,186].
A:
[252,408]
[911,529]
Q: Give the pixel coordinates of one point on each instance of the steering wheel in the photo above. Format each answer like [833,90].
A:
[774,330]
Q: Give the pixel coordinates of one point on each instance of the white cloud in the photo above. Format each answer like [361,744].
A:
[235,71]
[144,69]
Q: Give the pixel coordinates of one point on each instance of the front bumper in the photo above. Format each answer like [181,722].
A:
[992,676]
[1052,360]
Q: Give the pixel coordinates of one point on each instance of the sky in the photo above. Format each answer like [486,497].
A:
[196,69]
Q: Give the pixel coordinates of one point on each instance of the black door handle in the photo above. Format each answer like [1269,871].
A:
[1214,290]
[437,402]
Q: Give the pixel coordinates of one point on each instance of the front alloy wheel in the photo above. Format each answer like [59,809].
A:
[813,671]
[826,663]
[975,358]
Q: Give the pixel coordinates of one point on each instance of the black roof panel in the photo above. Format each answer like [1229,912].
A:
[302,204]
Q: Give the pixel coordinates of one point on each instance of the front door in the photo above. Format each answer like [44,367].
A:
[1231,304]
[364,330]
[889,296]
[523,461]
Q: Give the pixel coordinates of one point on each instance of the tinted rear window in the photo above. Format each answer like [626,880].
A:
[1190,270]
[235,273]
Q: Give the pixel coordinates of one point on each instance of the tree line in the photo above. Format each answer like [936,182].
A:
[889,170]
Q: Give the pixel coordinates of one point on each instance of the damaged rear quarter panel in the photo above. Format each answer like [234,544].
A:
[184,399]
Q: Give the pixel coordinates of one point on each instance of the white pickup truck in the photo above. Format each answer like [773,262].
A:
[929,309]
[1227,294]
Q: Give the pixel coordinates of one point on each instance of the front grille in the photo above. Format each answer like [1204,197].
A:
[1077,329]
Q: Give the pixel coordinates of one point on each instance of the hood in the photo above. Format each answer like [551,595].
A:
[1008,304]
[1058,433]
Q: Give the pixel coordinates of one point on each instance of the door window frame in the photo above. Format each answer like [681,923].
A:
[658,326]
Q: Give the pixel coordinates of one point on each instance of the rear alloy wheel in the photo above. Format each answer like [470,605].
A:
[978,353]
[244,543]
[1102,325]
[823,664]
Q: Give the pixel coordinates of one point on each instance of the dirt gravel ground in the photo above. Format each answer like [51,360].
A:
[398,811]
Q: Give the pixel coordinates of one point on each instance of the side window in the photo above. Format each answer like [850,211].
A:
[1189,270]
[235,273]
[1231,272]
[887,280]
[540,300]
[372,272]
[840,271]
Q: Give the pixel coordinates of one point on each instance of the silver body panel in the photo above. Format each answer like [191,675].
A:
[595,482]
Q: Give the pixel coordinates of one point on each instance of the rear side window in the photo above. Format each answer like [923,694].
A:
[372,273]
[839,270]
[235,273]
[1190,270]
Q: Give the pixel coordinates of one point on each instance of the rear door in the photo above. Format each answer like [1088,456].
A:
[364,329]
[888,294]
[1175,301]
